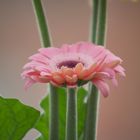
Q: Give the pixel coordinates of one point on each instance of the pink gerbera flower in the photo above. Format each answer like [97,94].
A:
[73,65]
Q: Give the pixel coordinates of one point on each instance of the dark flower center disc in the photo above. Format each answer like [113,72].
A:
[69,64]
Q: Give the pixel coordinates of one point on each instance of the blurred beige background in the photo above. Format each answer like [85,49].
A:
[69,23]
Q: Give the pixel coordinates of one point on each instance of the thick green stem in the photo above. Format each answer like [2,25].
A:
[101,22]
[71,116]
[98,37]
[42,24]
[46,42]
[94,20]
[92,112]
[54,112]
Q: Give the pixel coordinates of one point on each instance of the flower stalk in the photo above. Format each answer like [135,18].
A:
[94,20]
[98,37]
[71,116]
[46,42]
[92,113]
[54,114]
[101,23]
[42,24]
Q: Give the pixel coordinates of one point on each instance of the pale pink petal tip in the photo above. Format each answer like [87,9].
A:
[74,65]
[28,84]
[102,86]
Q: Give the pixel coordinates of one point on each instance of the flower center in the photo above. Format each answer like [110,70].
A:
[69,64]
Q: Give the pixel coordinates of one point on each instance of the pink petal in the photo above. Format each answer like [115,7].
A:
[40,79]
[112,57]
[43,68]
[33,64]
[119,69]
[28,83]
[84,47]
[101,75]
[110,72]
[102,86]
[114,81]
[39,58]
[66,48]
[78,47]
[98,53]
[50,52]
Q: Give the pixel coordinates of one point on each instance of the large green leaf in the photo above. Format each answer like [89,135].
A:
[43,124]
[16,119]
[40,138]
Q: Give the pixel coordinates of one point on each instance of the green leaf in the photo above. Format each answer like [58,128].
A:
[62,112]
[40,138]
[16,119]
[81,106]
[43,124]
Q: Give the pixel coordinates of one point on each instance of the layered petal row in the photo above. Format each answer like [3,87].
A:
[73,65]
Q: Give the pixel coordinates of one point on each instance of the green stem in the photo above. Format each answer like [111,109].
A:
[94,21]
[46,42]
[71,116]
[42,24]
[92,112]
[101,22]
[98,37]
[54,114]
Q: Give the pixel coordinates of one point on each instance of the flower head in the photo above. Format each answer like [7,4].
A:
[73,65]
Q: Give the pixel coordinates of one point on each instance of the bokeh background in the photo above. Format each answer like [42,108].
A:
[69,23]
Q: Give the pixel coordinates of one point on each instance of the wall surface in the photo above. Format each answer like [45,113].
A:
[69,23]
